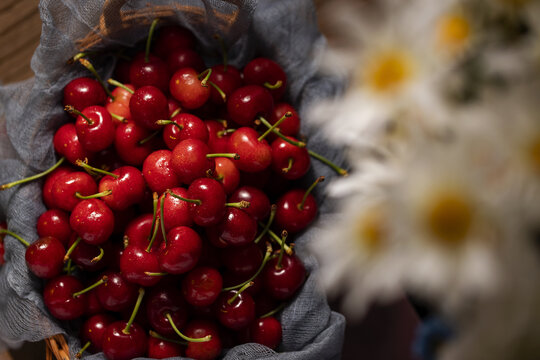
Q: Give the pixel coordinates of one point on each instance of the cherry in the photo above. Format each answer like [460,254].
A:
[130,143]
[254,155]
[208,205]
[149,70]
[121,70]
[159,348]
[139,231]
[83,92]
[48,184]
[182,57]
[235,308]
[162,301]
[94,126]
[174,107]
[93,221]
[126,186]
[176,211]
[283,276]
[291,125]
[184,126]
[121,345]
[117,294]
[226,173]
[208,350]
[93,305]
[181,252]
[218,136]
[67,186]
[266,331]
[87,257]
[54,223]
[60,300]
[237,228]
[248,102]
[267,73]
[243,261]
[227,78]
[158,172]
[67,144]
[118,105]
[93,330]
[172,37]
[202,286]
[259,204]
[139,266]
[186,87]
[190,160]
[290,161]
[45,257]
[148,105]
[296,209]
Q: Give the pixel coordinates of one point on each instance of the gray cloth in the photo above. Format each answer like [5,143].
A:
[283,30]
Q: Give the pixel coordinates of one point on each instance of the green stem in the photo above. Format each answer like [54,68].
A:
[150,273]
[289,166]
[87,167]
[154,227]
[70,109]
[149,40]
[275,86]
[241,290]
[223,51]
[120,85]
[87,64]
[149,137]
[69,267]
[135,310]
[243,204]
[224,132]
[103,280]
[300,144]
[225,155]
[205,76]
[170,122]
[329,163]
[100,256]
[277,239]
[72,248]
[218,89]
[193,201]
[78,56]
[118,117]
[93,196]
[273,312]
[268,224]
[162,217]
[33,177]
[154,334]
[308,191]
[189,339]
[78,355]
[284,235]
[265,260]
[21,240]
[274,127]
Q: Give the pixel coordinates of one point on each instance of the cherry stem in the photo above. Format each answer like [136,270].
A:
[226,155]
[300,144]
[33,177]
[78,355]
[250,280]
[223,50]
[277,85]
[274,127]
[308,191]
[100,256]
[273,210]
[284,235]
[241,290]
[135,310]
[153,234]
[289,166]
[69,267]
[93,196]
[277,239]
[176,112]
[21,240]
[101,281]
[70,109]
[149,40]
[78,56]
[224,132]
[72,248]
[205,75]
[120,85]
[329,163]
[243,204]
[84,165]
[170,122]
[154,334]
[87,64]
[162,217]
[193,201]
[150,273]
[148,138]
[218,89]
[189,339]
[118,117]
[273,312]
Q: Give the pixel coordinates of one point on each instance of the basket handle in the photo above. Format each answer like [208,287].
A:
[111,12]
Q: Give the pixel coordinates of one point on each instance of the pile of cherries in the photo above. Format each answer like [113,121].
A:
[160,233]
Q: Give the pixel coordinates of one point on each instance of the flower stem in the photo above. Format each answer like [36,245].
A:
[33,177]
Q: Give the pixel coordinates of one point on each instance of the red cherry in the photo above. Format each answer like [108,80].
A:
[93,221]
[191,126]
[162,301]
[95,128]
[45,257]
[238,313]
[163,349]
[207,350]
[288,214]
[117,294]
[226,173]
[237,228]
[128,145]
[68,185]
[211,196]
[183,58]
[282,282]
[119,106]
[186,87]
[266,331]
[138,232]
[87,257]
[93,305]
[181,252]
[227,78]
[83,92]
[119,345]
[267,73]
[254,155]
[202,286]
[48,184]
[59,300]
[152,71]
[291,125]
[243,261]
[218,138]
[175,211]
[290,161]
[189,160]
[148,105]
[54,223]
[66,143]
[259,204]
[93,330]
[137,266]
[126,190]
[172,37]
[248,102]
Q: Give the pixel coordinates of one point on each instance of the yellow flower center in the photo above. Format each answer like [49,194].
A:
[454,32]
[448,217]
[371,230]
[388,71]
